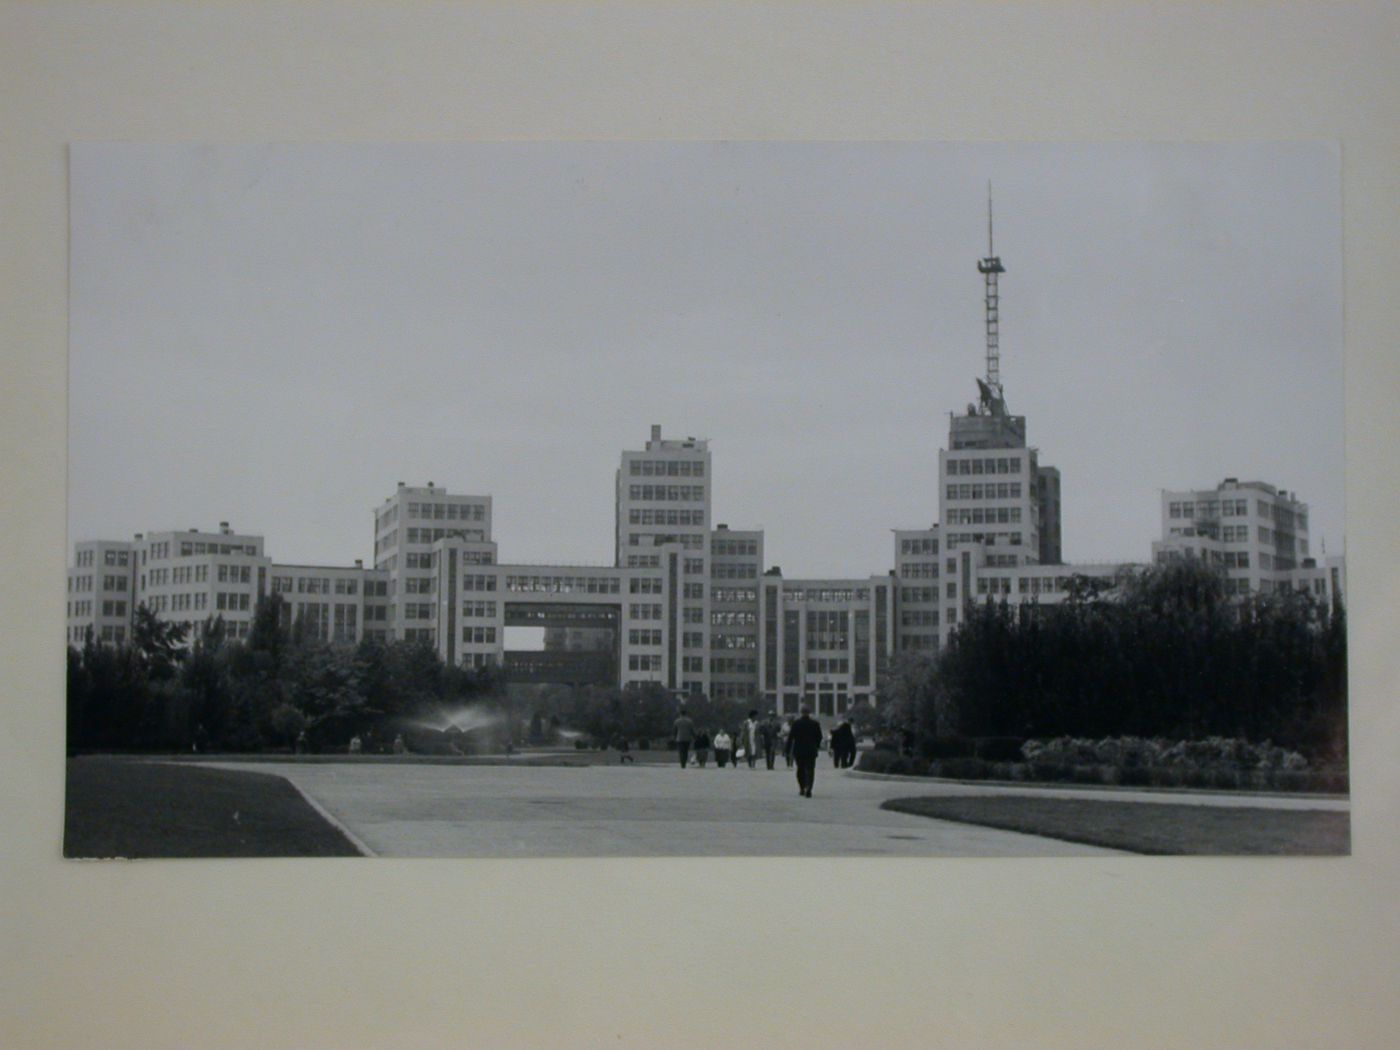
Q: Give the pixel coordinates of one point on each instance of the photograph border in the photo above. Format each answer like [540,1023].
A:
[1169,952]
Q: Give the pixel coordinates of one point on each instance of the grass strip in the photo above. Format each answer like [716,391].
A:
[119,807]
[1149,827]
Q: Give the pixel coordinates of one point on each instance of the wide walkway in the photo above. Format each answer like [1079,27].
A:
[416,810]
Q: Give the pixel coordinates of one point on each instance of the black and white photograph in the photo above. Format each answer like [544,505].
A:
[706,499]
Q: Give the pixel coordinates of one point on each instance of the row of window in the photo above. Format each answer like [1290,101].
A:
[657,539]
[957,539]
[657,516]
[991,490]
[557,584]
[231,601]
[433,535]
[919,570]
[320,585]
[734,548]
[733,595]
[419,585]
[734,641]
[667,493]
[733,665]
[479,635]
[643,661]
[919,618]
[733,619]
[983,465]
[84,559]
[667,468]
[644,561]
[1229,508]
[192,547]
[828,665]
[922,545]
[479,610]
[733,571]
[984,516]
[826,594]
[644,611]
[448,511]
[644,636]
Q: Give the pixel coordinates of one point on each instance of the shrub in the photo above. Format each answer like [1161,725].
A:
[909,766]
[961,768]
[948,747]
[1051,771]
[999,748]
[877,760]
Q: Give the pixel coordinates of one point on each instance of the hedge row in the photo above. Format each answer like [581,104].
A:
[971,768]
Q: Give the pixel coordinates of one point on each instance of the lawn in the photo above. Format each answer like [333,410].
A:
[123,807]
[1149,827]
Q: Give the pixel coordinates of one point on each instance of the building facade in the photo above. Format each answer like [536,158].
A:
[686,604]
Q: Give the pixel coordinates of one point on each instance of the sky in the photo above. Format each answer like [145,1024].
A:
[277,335]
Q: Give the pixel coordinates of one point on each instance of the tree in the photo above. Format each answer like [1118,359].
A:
[159,643]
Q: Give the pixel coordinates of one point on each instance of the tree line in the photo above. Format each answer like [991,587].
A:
[1164,654]
[165,692]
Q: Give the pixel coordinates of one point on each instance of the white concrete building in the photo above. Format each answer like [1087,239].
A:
[406,525]
[662,512]
[824,641]
[101,592]
[188,577]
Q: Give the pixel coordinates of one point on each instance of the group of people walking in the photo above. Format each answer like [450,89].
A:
[798,739]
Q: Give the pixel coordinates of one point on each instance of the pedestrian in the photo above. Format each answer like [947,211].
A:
[399,746]
[623,748]
[355,744]
[805,740]
[748,736]
[769,730]
[786,737]
[843,745]
[702,747]
[722,747]
[301,742]
[685,735]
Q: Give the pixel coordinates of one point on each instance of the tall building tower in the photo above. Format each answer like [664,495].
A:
[663,521]
[406,525]
[999,506]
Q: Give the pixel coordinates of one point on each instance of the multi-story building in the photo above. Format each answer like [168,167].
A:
[333,603]
[918,575]
[406,525]
[101,592]
[685,605]
[1256,533]
[823,642]
[736,563]
[663,505]
[188,577]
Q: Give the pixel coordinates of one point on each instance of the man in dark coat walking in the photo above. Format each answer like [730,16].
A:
[805,739]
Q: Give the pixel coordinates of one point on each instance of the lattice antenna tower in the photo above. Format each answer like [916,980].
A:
[990,267]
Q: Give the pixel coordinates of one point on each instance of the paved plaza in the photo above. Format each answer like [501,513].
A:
[523,810]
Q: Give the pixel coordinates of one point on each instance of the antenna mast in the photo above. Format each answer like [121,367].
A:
[990,267]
